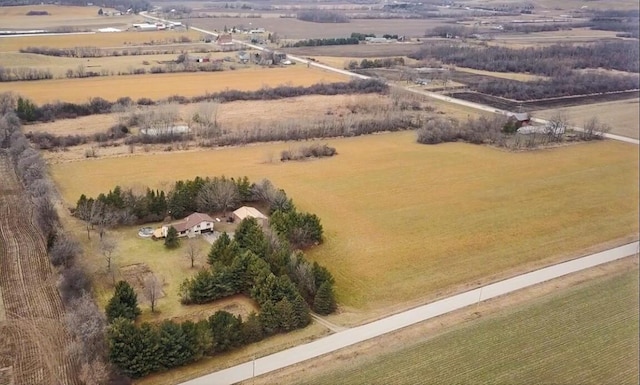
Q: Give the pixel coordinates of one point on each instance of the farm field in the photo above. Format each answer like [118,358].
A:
[158,86]
[32,333]
[504,75]
[100,40]
[449,214]
[359,51]
[587,334]
[16,18]
[289,28]
[622,115]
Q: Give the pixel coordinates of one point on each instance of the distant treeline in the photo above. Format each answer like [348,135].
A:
[549,61]
[627,22]
[121,5]
[558,86]
[322,16]
[28,111]
[327,41]
[23,74]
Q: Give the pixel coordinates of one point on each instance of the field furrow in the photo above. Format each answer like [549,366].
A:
[33,335]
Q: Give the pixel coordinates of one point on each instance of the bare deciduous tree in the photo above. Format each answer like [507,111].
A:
[193,252]
[152,290]
[594,129]
[107,248]
[556,126]
[218,195]
[207,119]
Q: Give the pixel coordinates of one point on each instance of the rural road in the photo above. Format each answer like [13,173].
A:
[433,95]
[398,321]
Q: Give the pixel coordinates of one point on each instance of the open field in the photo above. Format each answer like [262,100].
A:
[622,115]
[504,75]
[289,28]
[158,86]
[32,334]
[100,40]
[445,215]
[538,39]
[357,51]
[568,5]
[78,18]
[587,334]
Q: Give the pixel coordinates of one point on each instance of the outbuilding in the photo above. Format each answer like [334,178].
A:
[249,212]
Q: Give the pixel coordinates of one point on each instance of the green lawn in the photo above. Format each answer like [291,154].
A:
[584,335]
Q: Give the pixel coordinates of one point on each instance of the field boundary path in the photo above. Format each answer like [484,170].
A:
[444,98]
[410,317]
[33,339]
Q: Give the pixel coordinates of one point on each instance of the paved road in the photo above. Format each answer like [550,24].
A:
[398,321]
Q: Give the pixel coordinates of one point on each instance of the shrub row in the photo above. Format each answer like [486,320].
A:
[304,152]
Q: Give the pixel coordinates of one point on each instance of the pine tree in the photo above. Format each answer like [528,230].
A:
[223,250]
[269,318]
[249,236]
[324,302]
[175,345]
[225,331]
[301,315]
[252,329]
[285,313]
[124,303]
[171,241]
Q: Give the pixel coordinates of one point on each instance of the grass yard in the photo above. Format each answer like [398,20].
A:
[583,335]
[158,86]
[407,222]
[622,116]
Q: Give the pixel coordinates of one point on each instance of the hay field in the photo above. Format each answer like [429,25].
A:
[407,222]
[98,39]
[622,116]
[158,86]
[59,15]
[587,334]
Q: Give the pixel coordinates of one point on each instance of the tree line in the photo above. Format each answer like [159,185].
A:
[83,319]
[325,41]
[322,16]
[28,111]
[549,61]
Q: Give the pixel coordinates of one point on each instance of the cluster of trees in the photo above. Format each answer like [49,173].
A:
[322,16]
[624,21]
[23,74]
[376,63]
[549,61]
[362,36]
[557,86]
[96,52]
[305,152]
[28,111]
[48,141]
[325,41]
[83,319]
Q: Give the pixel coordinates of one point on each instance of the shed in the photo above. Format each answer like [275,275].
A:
[249,212]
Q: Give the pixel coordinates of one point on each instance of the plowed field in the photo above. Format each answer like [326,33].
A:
[32,338]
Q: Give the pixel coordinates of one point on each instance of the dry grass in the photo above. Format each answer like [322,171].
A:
[622,116]
[101,40]
[503,75]
[77,17]
[405,221]
[164,85]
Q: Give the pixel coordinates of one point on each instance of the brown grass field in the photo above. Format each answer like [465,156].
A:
[504,75]
[406,222]
[77,17]
[100,40]
[622,116]
[359,51]
[164,85]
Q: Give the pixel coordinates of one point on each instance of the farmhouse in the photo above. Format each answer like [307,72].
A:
[520,118]
[249,212]
[194,224]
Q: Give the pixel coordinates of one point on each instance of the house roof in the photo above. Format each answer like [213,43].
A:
[248,212]
[191,220]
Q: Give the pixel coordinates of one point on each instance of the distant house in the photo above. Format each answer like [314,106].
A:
[249,212]
[520,118]
[194,224]
[224,39]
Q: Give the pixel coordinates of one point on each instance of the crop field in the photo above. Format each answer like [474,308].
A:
[357,51]
[289,28]
[405,222]
[587,334]
[622,115]
[158,86]
[16,18]
[100,40]
[32,335]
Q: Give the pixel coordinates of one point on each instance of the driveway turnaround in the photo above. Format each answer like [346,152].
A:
[398,321]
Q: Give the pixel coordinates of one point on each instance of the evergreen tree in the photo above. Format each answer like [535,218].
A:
[135,351]
[175,345]
[249,236]
[252,329]
[198,338]
[171,241]
[285,313]
[325,301]
[124,303]
[225,331]
[269,318]
[223,250]
[301,315]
